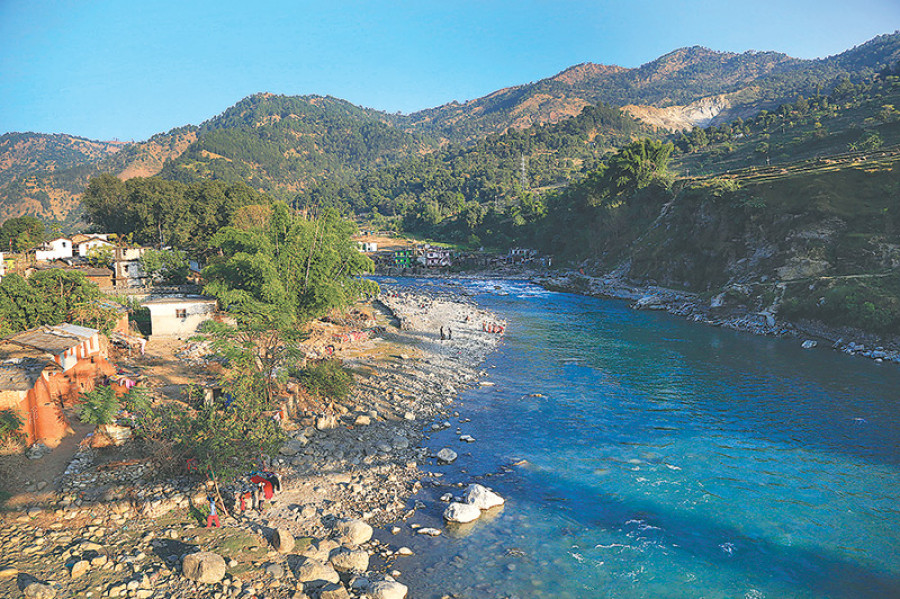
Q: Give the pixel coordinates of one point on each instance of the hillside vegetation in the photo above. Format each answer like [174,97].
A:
[288,145]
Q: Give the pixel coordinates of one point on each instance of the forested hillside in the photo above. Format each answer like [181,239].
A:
[484,192]
[317,147]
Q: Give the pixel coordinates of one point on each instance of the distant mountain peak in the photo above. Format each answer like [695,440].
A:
[585,71]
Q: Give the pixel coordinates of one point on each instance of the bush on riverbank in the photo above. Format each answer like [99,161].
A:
[871,304]
[327,378]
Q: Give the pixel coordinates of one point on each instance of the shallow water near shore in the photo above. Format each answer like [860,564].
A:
[660,458]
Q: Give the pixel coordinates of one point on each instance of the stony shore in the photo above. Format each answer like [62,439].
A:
[716,313]
[118,531]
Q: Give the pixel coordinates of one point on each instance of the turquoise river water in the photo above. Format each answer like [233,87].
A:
[661,458]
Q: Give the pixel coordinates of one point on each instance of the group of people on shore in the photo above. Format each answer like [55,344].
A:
[492,327]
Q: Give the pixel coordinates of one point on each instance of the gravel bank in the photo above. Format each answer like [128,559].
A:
[112,533]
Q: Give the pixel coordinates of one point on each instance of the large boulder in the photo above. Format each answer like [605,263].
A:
[313,574]
[282,540]
[482,497]
[352,532]
[387,589]
[320,550]
[205,567]
[461,512]
[350,560]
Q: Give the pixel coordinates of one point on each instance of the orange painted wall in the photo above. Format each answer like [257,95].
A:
[41,406]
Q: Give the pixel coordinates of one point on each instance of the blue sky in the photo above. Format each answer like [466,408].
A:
[108,69]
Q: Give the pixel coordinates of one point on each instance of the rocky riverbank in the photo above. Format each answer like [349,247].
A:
[117,531]
[718,312]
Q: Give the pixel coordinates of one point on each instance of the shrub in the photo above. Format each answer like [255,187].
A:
[137,399]
[98,406]
[11,427]
[326,378]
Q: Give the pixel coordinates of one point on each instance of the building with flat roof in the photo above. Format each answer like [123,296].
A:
[179,316]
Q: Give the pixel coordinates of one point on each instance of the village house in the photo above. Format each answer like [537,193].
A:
[83,243]
[435,257]
[367,247]
[55,249]
[179,316]
[44,370]
[127,269]
[404,258]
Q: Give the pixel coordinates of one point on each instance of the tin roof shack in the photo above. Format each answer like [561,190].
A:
[179,316]
[45,369]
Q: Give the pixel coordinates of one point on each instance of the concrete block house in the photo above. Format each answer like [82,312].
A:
[179,316]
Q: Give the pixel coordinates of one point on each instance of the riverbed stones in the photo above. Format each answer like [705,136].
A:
[446,456]
[461,512]
[80,568]
[282,540]
[314,574]
[333,591]
[39,590]
[205,567]
[387,589]
[352,532]
[350,560]
[430,532]
[482,497]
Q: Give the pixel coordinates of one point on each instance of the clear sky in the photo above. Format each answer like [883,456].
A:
[127,69]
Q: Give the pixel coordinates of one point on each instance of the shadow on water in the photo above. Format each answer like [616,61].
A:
[822,572]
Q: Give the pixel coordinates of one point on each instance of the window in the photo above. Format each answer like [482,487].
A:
[180,313]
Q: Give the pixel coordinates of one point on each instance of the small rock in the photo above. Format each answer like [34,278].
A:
[404,551]
[467,438]
[333,591]
[446,456]
[282,540]
[362,420]
[809,344]
[350,560]
[205,567]
[39,590]
[461,512]
[387,589]
[37,451]
[8,572]
[482,497]
[431,532]
[352,532]
[275,570]
[314,573]
[80,568]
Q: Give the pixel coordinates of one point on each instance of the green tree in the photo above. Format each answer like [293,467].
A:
[166,266]
[20,233]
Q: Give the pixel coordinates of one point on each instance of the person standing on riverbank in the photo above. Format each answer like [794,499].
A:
[442,334]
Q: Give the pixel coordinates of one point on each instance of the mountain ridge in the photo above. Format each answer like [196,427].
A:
[329,137]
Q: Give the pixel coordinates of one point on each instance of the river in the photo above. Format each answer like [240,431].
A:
[645,456]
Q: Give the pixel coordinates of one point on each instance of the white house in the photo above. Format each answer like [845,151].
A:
[179,316]
[127,269]
[84,243]
[367,246]
[55,249]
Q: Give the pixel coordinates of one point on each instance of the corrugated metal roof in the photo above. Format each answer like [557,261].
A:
[53,339]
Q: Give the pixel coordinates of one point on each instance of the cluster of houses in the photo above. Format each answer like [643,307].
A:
[425,255]
[44,370]
[75,253]
[428,256]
